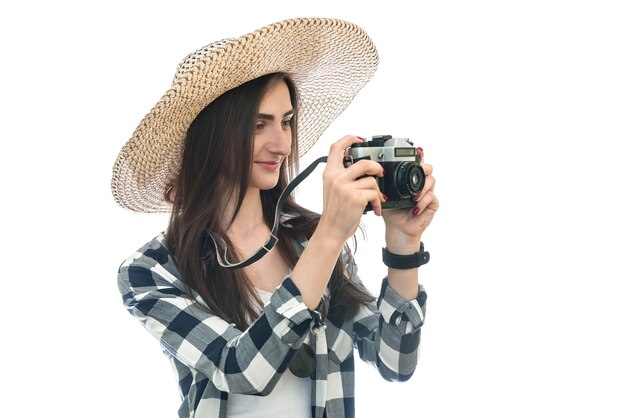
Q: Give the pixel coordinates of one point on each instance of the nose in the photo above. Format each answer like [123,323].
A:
[280,141]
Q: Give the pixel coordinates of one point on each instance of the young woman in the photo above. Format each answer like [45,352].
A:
[274,338]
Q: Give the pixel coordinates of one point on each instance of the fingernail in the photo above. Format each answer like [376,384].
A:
[385,197]
[420,150]
[416,210]
[361,138]
[415,198]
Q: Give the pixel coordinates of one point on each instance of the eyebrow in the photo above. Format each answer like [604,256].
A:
[265,116]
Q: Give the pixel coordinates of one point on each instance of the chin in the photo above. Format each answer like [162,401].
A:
[269,186]
[264,185]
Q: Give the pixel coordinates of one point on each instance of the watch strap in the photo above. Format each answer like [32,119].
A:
[404,262]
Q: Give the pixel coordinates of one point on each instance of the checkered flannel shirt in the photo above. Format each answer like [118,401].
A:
[212,358]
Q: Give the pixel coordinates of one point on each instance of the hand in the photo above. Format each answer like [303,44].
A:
[345,193]
[404,227]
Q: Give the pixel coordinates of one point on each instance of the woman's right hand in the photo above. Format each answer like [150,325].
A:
[346,194]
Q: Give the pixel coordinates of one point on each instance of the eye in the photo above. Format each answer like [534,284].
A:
[286,123]
[259,126]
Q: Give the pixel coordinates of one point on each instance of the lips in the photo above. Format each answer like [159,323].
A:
[269,165]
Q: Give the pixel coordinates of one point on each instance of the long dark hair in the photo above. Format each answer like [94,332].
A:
[215,167]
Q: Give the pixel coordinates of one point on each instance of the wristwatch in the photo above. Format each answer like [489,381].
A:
[404,262]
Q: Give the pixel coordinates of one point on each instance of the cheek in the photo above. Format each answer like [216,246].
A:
[257,145]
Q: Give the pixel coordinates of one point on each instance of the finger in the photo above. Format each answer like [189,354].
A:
[429,201]
[420,151]
[373,197]
[361,197]
[428,169]
[364,167]
[337,150]
[367,183]
[429,186]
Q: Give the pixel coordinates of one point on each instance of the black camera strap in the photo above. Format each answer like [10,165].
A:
[273,237]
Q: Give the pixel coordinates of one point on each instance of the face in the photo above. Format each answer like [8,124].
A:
[272,137]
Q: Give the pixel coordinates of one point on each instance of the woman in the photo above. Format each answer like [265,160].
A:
[274,338]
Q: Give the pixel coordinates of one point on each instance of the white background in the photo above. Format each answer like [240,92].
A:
[520,107]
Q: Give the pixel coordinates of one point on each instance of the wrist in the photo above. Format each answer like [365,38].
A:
[329,236]
[405,262]
[402,244]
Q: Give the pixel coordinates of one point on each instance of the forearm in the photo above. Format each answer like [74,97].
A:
[213,346]
[315,266]
[393,323]
[404,282]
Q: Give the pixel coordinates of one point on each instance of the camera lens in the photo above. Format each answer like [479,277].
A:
[410,179]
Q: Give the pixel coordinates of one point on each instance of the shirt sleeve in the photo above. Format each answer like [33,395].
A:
[248,362]
[387,333]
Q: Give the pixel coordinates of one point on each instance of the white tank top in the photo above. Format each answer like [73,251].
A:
[291,396]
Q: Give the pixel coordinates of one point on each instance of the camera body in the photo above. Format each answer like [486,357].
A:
[404,176]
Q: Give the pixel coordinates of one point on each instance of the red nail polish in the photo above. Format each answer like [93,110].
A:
[415,198]
[385,197]
[361,138]
[416,210]
[420,150]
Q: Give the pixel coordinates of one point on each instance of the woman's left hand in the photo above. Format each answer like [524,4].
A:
[404,227]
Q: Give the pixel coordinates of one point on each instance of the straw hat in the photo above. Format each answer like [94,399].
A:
[329,60]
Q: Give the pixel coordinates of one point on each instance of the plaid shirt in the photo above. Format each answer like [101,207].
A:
[212,358]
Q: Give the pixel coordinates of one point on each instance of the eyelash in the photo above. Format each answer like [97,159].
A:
[285,124]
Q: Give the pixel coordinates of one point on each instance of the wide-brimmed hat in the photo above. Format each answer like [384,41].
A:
[329,60]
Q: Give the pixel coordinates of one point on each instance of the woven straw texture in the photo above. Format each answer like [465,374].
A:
[329,60]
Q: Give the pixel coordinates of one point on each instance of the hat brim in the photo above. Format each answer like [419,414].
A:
[329,60]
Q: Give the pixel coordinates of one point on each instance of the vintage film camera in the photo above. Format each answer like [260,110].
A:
[404,176]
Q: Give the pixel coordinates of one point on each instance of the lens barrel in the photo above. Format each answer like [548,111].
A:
[410,179]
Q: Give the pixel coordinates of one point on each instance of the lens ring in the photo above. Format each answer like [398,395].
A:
[409,179]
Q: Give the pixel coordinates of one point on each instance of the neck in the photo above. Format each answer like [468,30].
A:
[250,215]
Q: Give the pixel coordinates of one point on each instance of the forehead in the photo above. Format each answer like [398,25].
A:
[276,99]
